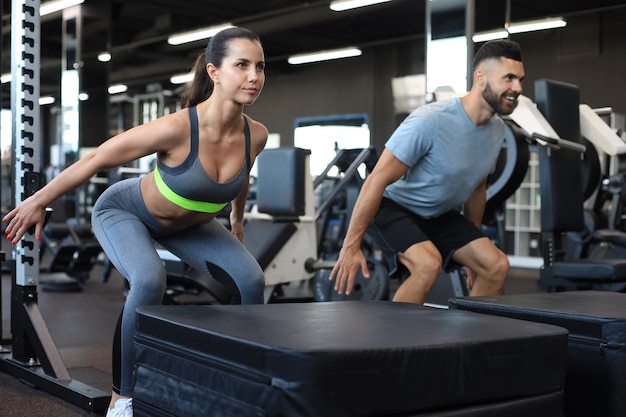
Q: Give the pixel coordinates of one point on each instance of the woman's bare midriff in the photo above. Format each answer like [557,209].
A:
[167,213]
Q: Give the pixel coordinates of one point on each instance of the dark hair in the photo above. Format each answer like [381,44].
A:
[500,48]
[201,87]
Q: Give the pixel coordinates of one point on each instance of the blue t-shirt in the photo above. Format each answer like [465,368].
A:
[447,155]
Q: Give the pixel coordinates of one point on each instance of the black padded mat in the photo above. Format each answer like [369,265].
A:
[351,358]
[596,354]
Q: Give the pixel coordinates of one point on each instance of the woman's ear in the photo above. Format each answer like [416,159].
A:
[213,73]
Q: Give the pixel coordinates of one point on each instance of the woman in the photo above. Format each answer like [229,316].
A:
[204,155]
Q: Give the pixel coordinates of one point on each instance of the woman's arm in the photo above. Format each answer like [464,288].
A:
[258,139]
[157,136]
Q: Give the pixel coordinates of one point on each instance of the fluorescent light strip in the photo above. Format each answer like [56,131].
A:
[526,26]
[46,100]
[196,35]
[540,24]
[55,6]
[341,5]
[490,36]
[117,88]
[324,55]
[181,78]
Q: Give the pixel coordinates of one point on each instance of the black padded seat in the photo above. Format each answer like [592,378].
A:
[265,238]
[616,237]
[280,194]
[600,270]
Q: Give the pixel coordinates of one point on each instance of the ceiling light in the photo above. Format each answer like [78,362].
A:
[46,100]
[5,78]
[341,5]
[83,96]
[117,88]
[519,27]
[198,34]
[539,24]
[324,55]
[181,78]
[489,36]
[104,57]
[55,6]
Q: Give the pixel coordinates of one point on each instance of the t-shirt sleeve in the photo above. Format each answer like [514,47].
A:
[411,140]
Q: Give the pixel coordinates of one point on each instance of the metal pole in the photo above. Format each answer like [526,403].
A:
[33,349]
[25,43]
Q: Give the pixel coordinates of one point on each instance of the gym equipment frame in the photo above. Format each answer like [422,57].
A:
[562,206]
[34,358]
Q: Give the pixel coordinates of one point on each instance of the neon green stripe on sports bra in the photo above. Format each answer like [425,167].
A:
[183,202]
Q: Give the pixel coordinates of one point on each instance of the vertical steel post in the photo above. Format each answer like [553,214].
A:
[25,43]
[33,349]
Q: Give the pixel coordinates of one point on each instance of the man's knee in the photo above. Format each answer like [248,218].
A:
[497,271]
[500,268]
[422,261]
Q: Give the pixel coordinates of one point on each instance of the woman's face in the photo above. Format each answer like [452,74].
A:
[242,73]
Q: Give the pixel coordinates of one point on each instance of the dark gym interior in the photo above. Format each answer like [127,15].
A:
[533,217]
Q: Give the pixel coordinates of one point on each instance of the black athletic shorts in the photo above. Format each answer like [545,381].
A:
[398,228]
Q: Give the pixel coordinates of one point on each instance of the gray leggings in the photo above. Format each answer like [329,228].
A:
[127,232]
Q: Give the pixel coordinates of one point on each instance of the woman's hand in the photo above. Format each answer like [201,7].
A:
[236,229]
[22,217]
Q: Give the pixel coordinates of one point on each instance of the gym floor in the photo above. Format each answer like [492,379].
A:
[81,325]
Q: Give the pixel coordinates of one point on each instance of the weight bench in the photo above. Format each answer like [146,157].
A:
[73,250]
[280,230]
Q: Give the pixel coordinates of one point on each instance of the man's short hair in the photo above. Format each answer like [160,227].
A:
[500,48]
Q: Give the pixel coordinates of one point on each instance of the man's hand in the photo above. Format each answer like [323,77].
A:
[347,267]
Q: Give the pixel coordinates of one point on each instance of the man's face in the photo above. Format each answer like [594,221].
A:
[504,85]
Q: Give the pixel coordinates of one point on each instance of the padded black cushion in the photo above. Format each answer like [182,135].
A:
[264,238]
[350,358]
[558,102]
[596,354]
[617,237]
[561,190]
[591,269]
[280,182]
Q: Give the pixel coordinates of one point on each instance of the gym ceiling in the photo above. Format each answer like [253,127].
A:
[135,32]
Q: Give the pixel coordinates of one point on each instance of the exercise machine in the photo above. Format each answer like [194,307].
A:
[33,356]
[72,251]
[562,206]
[296,226]
[559,103]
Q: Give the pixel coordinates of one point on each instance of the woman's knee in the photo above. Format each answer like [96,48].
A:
[150,281]
[252,289]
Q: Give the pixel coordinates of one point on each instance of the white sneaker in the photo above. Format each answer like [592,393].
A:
[123,408]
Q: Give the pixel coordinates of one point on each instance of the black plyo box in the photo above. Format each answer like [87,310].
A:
[350,358]
[596,355]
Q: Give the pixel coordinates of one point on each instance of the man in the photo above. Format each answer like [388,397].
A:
[435,163]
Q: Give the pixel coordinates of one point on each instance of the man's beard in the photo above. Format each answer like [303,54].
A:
[496,102]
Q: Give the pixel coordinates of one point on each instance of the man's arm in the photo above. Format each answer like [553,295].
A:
[387,170]
[474,207]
